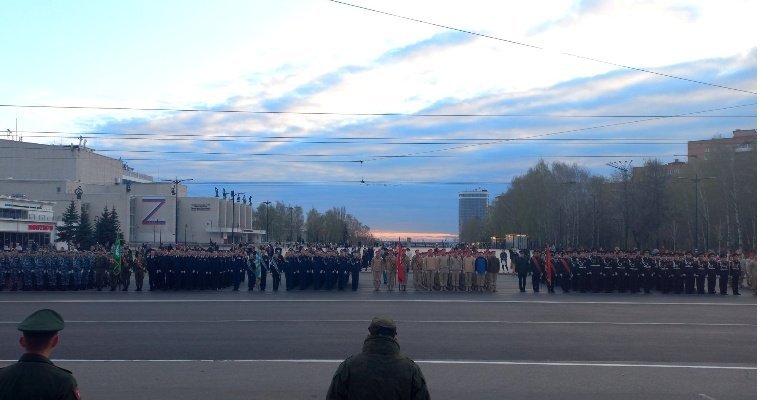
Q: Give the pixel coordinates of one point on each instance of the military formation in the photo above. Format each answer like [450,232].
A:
[455,270]
[635,272]
[47,271]
[315,268]
[335,268]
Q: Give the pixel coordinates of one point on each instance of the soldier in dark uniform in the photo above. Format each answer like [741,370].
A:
[537,270]
[700,267]
[609,272]
[275,266]
[264,269]
[566,271]
[343,269]
[292,262]
[319,269]
[647,272]
[712,270]
[666,264]
[575,277]
[723,268]
[250,268]
[34,376]
[355,266]
[523,268]
[583,272]
[688,269]
[677,275]
[735,270]
[304,265]
[331,271]
[595,270]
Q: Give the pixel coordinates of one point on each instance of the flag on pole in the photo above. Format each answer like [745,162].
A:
[116,253]
[549,268]
[399,267]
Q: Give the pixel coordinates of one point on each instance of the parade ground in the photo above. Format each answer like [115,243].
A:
[504,345]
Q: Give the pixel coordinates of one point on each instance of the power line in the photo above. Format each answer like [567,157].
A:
[354,114]
[345,161]
[323,182]
[565,131]
[539,48]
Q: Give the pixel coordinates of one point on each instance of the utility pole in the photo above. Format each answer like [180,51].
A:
[696,179]
[267,214]
[561,245]
[175,190]
[290,236]
[625,168]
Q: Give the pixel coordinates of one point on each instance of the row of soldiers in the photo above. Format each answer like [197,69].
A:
[303,268]
[454,270]
[51,270]
[181,269]
[592,271]
[322,268]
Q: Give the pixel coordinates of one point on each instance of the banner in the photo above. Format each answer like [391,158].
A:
[116,253]
[549,267]
[399,267]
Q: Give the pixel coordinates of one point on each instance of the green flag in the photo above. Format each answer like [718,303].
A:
[116,253]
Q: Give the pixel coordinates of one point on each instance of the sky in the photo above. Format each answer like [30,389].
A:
[389,108]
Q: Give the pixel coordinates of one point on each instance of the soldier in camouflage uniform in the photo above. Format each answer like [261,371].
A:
[379,371]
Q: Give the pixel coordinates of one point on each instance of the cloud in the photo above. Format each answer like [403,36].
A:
[393,202]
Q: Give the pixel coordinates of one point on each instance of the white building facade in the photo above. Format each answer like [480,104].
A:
[149,212]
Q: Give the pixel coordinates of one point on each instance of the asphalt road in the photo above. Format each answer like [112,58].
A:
[286,345]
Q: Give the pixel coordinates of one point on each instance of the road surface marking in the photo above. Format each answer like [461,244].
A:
[363,321]
[379,301]
[443,362]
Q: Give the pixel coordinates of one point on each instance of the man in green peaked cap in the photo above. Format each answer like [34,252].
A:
[34,376]
[379,371]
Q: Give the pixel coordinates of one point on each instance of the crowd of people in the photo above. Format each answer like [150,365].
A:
[321,267]
[172,268]
[636,271]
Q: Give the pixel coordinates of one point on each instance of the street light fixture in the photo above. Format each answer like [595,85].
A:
[267,215]
[625,168]
[232,195]
[561,238]
[696,179]
[175,190]
[290,236]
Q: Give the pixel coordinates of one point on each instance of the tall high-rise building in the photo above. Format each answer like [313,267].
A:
[472,204]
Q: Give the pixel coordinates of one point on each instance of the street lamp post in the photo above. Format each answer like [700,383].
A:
[175,191]
[267,216]
[561,238]
[185,235]
[696,179]
[290,235]
[625,168]
[232,195]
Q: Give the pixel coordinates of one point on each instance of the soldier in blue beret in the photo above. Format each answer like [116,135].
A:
[34,376]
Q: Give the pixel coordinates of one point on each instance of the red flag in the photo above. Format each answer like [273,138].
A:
[399,267]
[549,269]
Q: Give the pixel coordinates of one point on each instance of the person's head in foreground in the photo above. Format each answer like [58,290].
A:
[379,371]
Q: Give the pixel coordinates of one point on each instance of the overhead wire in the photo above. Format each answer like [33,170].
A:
[501,141]
[352,114]
[514,42]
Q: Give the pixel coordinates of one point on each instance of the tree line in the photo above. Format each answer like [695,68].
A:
[284,224]
[701,204]
[289,223]
[77,230]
